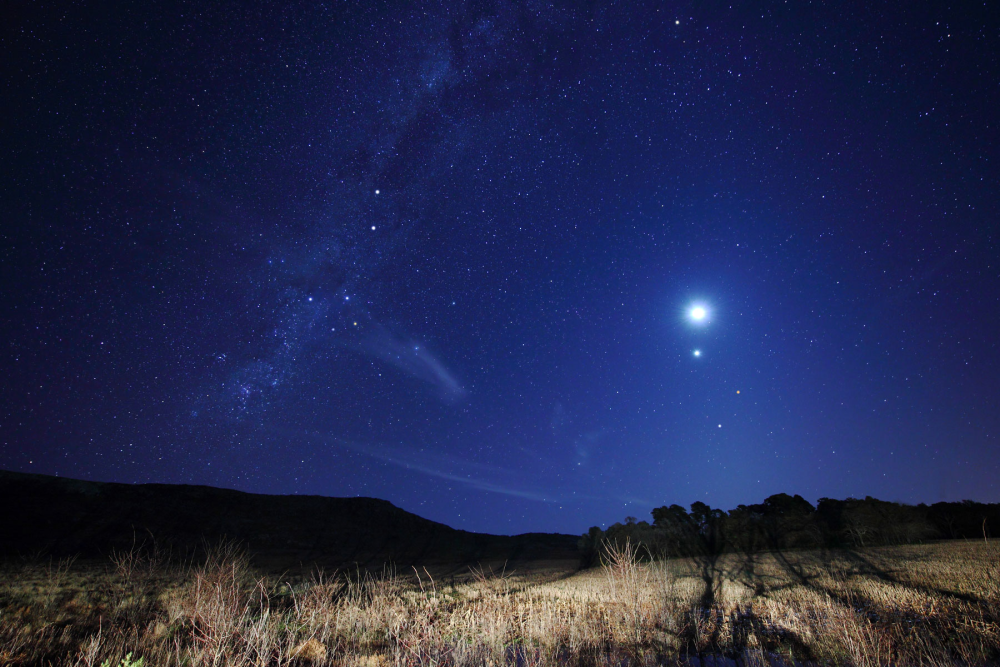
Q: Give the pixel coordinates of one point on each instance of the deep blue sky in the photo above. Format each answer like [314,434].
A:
[442,253]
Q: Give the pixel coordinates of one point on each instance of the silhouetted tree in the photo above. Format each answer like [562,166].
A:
[590,547]
[784,521]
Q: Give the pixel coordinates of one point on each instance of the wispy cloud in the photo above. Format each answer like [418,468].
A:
[516,483]
[449,468]
[415,359]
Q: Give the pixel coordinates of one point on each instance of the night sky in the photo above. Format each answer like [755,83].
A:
[448,254]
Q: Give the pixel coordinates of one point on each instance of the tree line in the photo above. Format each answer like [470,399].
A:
[791,522]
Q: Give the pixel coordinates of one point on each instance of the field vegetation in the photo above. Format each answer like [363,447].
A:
[929,604]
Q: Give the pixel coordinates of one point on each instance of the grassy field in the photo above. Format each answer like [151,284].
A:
[930,604]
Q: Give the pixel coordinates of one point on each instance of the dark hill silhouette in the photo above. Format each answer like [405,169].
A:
[56,516]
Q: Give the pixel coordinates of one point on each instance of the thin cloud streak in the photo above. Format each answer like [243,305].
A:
[414,359]
[410,461]
[441,467]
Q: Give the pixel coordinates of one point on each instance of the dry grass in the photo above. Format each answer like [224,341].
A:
[932,604]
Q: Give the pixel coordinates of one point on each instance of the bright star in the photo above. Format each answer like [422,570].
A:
[698,313]
[697,353]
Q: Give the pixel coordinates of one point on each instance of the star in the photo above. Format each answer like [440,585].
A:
[698,313]
[697,353]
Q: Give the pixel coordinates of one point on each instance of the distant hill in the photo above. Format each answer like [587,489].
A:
[56,516]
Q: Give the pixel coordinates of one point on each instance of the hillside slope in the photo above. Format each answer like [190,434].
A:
[58,516]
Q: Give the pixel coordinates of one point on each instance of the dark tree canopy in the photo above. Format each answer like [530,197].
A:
[791,522]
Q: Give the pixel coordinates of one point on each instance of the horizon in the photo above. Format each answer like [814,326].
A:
[620,521]
[511,267]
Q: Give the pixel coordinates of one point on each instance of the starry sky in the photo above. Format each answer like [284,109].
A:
[446,253]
